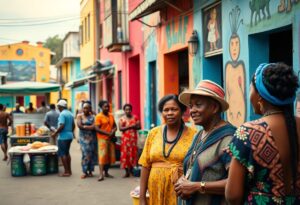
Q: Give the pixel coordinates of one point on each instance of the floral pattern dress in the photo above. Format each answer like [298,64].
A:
[160,185]
[88,144]
[129,143]
[254,147]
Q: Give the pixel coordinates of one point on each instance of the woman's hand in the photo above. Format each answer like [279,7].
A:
[185,188]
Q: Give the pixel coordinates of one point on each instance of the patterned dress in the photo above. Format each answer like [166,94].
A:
[163,170]
[87,140]
[129,143]
[254,147]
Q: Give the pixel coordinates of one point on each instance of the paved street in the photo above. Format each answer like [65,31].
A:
[54,190]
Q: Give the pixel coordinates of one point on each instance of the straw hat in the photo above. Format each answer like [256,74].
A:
[206,88]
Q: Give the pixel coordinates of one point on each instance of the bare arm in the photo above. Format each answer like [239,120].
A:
[59,129]
[144,184]
[235,186]
[186,188]
[97,129]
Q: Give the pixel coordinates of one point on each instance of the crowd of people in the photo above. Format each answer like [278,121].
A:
[256,163]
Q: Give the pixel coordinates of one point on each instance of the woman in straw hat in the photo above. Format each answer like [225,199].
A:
[206,163]
[265,163]
[163,154]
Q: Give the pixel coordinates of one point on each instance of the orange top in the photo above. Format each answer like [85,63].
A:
[105,123]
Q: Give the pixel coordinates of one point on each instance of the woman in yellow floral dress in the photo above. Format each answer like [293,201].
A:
[163,154]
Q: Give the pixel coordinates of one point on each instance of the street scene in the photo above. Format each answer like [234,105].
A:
[150,102]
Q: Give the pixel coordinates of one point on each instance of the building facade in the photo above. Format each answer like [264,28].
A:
[25,62]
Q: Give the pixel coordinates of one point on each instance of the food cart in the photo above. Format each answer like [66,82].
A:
[28,131]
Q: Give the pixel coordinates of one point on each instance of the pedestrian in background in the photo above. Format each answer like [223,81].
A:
[105,127]
[30,109]
[65,134]
[17,109]
[265,164]
[163,154]
[87,138]
[5,121]
[206,163]
[51,121]
[43,108]
[128,125]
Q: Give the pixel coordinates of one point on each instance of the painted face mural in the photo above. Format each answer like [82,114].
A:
[235,74]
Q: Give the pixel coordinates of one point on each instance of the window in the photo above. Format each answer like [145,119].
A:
[115,22]
[80,34]
[100,35]
[85,30]
[89,27]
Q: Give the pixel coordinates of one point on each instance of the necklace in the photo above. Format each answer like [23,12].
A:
[173,142]
[196,149]
[272,112]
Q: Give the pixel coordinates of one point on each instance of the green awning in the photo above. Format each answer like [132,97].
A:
[28,88]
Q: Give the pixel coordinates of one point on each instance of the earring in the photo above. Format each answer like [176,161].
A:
[260,106]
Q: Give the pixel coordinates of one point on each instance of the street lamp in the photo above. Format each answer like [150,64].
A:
[193,43]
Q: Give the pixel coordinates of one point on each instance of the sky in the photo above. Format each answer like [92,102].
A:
[19,19]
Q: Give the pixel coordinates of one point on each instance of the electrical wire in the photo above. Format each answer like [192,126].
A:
[38,24]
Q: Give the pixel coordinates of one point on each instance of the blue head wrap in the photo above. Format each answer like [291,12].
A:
[262,90]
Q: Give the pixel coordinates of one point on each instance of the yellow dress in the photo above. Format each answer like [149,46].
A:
[160,186]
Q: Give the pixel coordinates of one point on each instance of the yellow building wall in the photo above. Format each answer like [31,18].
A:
[87,48]
[40,54]
[66,76]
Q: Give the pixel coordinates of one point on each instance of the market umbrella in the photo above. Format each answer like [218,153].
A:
[28,88]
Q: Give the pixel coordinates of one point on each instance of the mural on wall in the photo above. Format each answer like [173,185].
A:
[260,9]
[177,35]
[235,74]
[79,97]
[257,7]
[19,70]
[286,5]
[212,30]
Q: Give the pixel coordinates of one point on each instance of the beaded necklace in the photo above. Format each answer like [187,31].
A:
[173,142]
[272,112]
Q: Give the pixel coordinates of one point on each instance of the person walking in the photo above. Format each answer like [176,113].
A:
[163,154]
[5,121]
[265,165]
[87,138]
[105,127]
[206,164]
[128,124]
[65,134]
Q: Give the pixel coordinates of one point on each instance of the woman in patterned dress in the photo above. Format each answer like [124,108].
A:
[265,165]
[128,124]
[87,138]
[206,163]
[163,154]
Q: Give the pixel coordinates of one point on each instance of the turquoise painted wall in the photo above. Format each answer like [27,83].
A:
[150,56]
[253,39]
[76,73]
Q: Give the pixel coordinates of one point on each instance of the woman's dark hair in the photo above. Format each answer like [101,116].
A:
[127,105]
[167,98]
[281,82]
[102,102]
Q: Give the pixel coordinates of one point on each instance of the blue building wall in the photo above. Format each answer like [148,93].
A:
[233,71]
[77,73]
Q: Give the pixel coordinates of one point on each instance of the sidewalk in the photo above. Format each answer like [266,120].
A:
[54,190]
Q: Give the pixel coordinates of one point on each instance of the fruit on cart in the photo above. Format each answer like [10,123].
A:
[43,130]
[38,144]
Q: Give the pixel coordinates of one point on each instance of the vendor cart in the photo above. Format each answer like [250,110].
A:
[35,120]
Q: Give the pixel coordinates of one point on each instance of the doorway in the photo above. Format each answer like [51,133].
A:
[134,84]
[152,93]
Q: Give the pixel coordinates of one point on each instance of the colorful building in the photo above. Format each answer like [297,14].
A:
[25,62]
[234,38]
[70,73]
